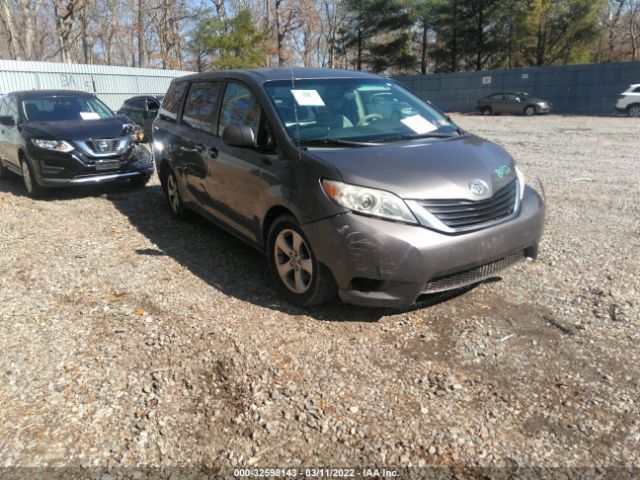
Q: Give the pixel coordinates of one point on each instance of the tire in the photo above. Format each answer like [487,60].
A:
[30,183]
[486,111]
[634,110]
[299,278]
[172,192]
[529,110]
[140,181]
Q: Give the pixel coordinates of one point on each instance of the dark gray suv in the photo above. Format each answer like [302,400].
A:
[350,183]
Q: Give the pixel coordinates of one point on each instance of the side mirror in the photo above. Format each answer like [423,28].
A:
[238,136]
[7,120]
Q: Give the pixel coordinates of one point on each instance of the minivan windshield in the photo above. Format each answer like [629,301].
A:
[53,109]
[354,110]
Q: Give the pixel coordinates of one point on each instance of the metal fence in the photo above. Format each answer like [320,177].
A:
[113,85]
[572,89]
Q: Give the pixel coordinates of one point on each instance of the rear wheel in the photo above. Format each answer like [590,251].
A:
[299,278]
[530,110]
[634,111]
[30,183]
[174,198]
[486,111]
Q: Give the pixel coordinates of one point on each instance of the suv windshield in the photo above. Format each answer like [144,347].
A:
[357,110]
[54,109]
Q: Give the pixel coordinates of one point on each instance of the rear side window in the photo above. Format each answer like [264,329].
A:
[137,103]
[637,90]
[200,106]
[172,100]
[241,107]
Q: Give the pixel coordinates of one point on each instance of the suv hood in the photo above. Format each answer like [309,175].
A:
[418,169]
[110,127]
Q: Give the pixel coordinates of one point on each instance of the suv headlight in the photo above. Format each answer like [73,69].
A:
[521,182]
[368,201]
[57,145]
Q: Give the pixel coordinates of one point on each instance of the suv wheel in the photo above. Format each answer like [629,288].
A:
[174,198]
[486,111]
[30,183]
[299,278]
[530,110]
[634,111]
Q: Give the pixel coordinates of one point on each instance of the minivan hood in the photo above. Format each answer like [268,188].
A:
[425,169]
[110,127]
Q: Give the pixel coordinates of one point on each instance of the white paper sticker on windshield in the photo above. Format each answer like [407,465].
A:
[419,124]
[308,98]
[89,116]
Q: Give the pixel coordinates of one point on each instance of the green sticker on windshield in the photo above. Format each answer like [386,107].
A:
[503,171]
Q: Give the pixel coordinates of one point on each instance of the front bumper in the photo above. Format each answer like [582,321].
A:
[387,264]
[55,169]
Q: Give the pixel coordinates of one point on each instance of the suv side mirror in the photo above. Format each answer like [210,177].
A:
[238,136]
[7,120]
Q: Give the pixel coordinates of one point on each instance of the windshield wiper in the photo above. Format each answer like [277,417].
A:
[321,142]
[413,136]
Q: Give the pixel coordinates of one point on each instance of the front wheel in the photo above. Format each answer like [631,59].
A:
[299,278]
[30,183]
[486,111]
[530,111]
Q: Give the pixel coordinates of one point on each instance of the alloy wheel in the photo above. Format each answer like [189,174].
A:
[26,175]
[634,111]
[530,111]
[293,261]
[173,194]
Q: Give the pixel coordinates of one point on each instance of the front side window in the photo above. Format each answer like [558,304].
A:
[53,109]
[239,107]
[171,102]
[364,110]
[200,106]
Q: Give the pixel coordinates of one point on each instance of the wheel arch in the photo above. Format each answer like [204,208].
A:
[272,214]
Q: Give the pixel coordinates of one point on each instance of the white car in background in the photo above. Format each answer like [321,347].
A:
[629,101]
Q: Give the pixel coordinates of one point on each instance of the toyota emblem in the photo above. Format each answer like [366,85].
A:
[478,187]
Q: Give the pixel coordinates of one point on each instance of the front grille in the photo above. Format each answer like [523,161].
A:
[469,213]
[107,145]
[474,275]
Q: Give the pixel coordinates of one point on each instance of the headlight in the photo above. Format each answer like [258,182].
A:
[57,145]
[369,201]
[521,182]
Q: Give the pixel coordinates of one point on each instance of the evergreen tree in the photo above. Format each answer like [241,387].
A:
[229,42]
[378,32]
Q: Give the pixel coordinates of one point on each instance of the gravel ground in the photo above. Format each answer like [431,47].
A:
[128,339]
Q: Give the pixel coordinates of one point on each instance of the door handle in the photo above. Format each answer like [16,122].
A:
[198,147]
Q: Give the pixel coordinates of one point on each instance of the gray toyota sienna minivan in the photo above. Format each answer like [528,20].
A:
[350,183]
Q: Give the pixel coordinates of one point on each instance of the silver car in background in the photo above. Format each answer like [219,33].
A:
[513,103]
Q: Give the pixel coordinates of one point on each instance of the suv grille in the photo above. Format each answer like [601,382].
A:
[468,213]
[109,145]
[474,275]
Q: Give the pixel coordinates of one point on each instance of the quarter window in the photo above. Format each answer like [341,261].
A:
[637,90]
[239,107]
[200,106]
[172,100]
